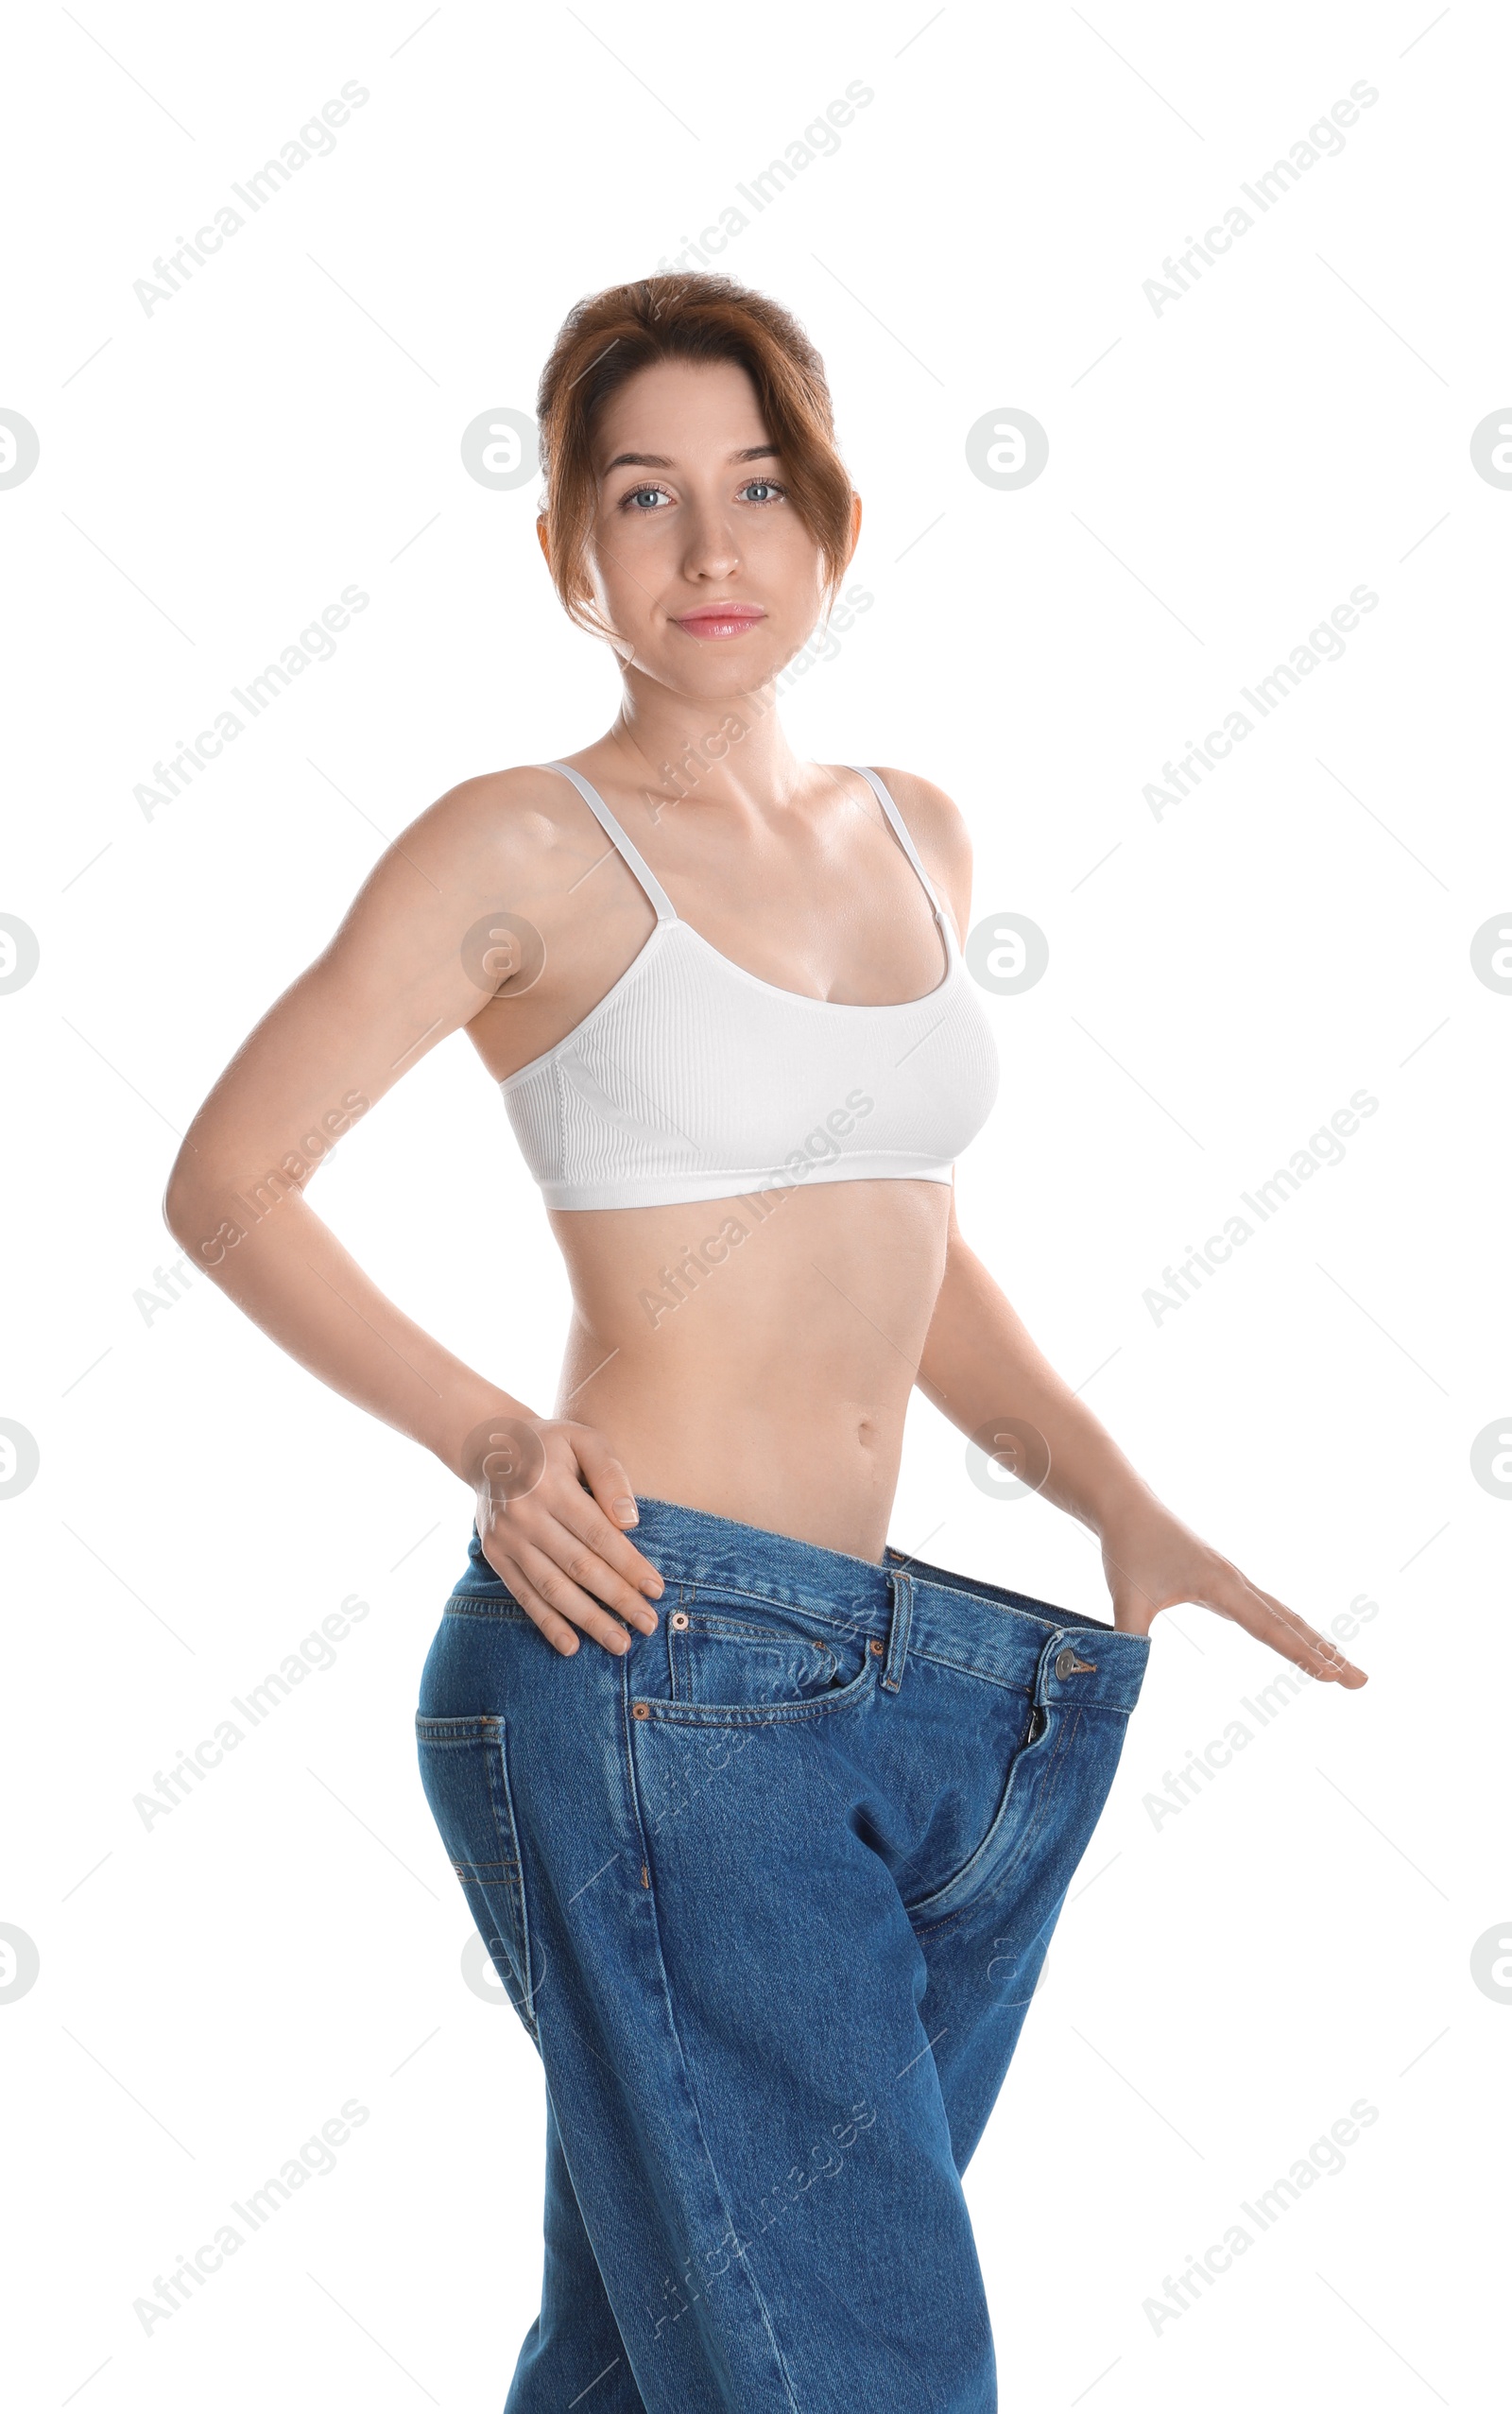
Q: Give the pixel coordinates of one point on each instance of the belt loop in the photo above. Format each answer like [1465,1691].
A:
[903,1610]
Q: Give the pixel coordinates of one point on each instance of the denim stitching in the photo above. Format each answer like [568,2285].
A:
[1063,1744]
[749,1713]
[489,1732]
[731,1629]
[627,1724]
[487,1604]
[952,1918]
[844,1625]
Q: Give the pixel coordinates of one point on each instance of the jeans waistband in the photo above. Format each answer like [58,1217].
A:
[1006,1637]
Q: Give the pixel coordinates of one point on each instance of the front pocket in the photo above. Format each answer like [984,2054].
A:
[715,1658]
[1027,1796]
[739,1659]
[464,1768]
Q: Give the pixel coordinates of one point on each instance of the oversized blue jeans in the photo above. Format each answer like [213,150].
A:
[771,1892]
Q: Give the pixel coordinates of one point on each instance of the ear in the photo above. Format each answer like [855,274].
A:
[542,537]
[856,527]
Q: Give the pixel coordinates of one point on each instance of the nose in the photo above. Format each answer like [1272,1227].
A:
[712,551]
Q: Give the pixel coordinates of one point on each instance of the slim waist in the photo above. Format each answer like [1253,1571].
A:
[986,1630]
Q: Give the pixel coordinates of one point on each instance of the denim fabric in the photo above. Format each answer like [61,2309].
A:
[771,1892]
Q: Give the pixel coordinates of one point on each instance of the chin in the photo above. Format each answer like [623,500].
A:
[732,668]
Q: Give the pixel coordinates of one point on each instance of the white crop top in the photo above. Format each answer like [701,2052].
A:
[692,1078]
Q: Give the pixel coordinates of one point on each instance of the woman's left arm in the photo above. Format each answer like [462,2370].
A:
[981,1369]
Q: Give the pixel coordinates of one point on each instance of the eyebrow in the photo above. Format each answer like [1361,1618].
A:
[661,461]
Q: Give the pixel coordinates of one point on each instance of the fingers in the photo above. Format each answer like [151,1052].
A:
[1271,1622]
[598,1515]
[574,1578]
[560,1579]
[549,1596]
[556,1630]
[614,1497]
[559,1543]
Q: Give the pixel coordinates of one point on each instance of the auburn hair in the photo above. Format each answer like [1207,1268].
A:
[607,336]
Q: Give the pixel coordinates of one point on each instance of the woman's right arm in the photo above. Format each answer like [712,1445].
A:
[392,983]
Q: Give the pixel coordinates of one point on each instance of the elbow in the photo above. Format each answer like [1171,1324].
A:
[178,1211]
[180,1220]
[187,1206]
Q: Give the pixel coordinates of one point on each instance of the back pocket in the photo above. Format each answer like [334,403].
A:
[464,1768]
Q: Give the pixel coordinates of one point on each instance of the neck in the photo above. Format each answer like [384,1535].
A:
[705,750]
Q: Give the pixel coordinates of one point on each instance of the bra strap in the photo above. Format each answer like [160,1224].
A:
[665,910]
[909,848]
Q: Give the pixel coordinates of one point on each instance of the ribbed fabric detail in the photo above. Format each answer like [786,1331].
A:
[692,1078]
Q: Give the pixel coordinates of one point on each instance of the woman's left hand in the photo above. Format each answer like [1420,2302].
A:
[1152,1562]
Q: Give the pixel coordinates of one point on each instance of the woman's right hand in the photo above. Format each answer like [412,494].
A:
[552,1505]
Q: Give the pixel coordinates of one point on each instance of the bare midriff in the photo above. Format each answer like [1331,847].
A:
[767,1380]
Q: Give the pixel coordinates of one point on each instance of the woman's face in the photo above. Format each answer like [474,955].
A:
[698,560]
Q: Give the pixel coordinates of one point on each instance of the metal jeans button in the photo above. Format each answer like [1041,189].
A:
[1068,1665]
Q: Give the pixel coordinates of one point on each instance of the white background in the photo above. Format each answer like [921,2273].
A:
[1225,1983]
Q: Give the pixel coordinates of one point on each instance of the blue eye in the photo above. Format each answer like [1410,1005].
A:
[645,499]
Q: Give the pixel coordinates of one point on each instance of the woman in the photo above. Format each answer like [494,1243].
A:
[768,1871]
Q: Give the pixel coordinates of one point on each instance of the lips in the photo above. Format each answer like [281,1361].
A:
[720,620]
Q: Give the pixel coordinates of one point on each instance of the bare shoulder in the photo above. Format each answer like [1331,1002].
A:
[513,809]
[937,827]
[929,812]
[515,827]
